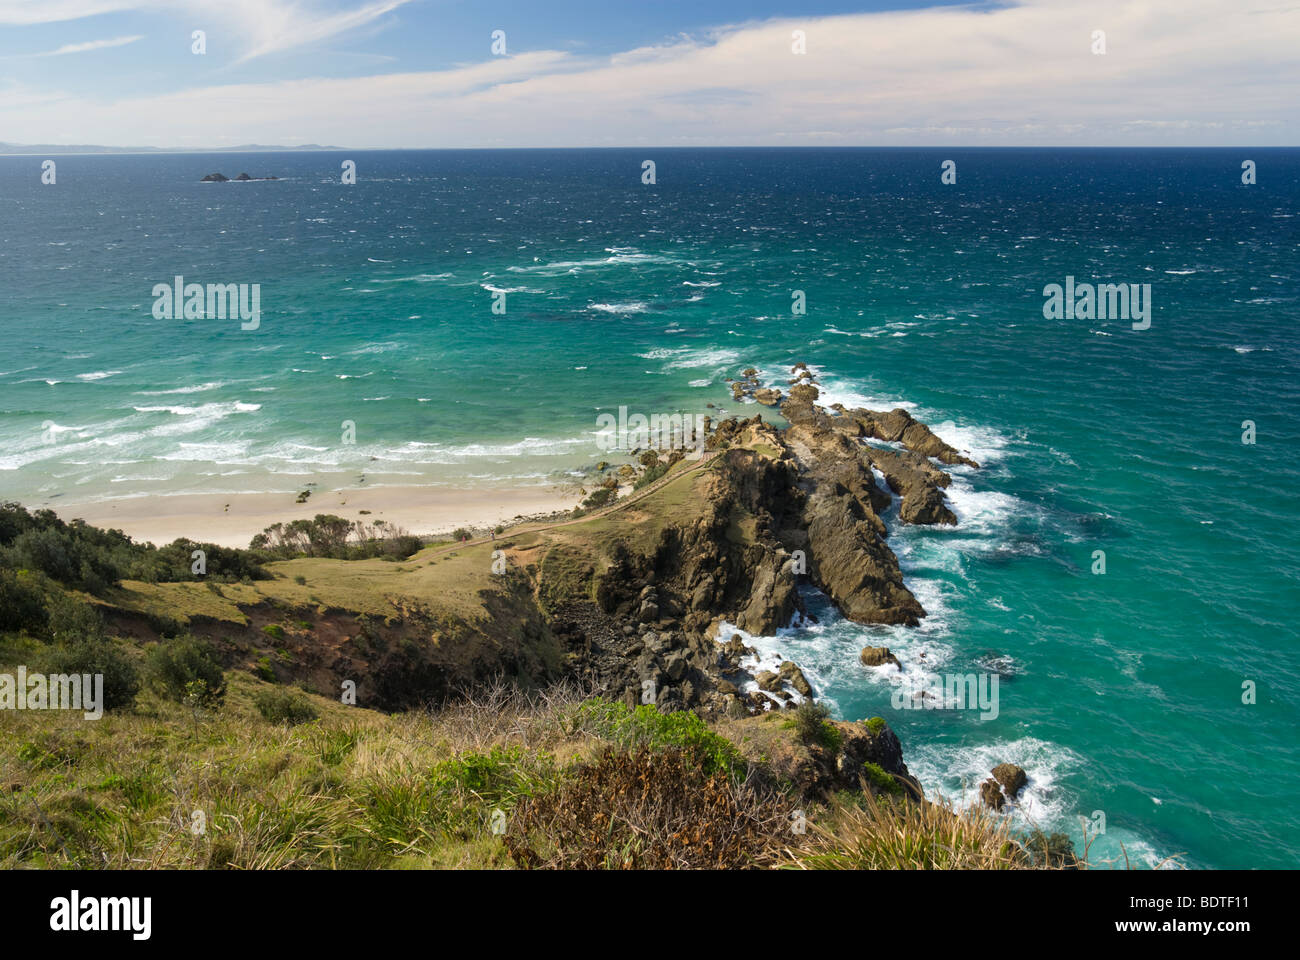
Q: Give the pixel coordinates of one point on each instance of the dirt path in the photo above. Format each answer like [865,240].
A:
[632,498]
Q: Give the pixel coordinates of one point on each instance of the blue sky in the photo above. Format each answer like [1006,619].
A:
[421,73]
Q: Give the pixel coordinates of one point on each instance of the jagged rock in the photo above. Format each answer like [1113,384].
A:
[769,681]
[1012,779]
[849,560]
[991,794]
[790,672]
[772,601]
[804,393]
[767,396]
[675,666]
[897,426]
[727,688]
[214,178]
[918,482]
[878,657]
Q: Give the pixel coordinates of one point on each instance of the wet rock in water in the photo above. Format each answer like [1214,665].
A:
[878,657]
[791,674]
[991,795]
[214,178]
[1011,777]
[769,681]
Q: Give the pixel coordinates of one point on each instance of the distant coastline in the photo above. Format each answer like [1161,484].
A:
[53,149]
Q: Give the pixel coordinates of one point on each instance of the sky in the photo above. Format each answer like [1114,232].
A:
[602,73]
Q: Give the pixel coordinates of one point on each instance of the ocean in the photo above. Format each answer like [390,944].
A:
[1121,693]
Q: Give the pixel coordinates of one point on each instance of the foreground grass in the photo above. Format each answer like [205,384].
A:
[495,782]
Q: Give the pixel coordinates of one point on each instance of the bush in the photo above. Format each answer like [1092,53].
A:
[285,706]
[22,605]
[326,535]
[274,630]
[600,498]
[97,656]
[650,476]
[72,620]
[879,778]
[187,670]
[646,726]
[1054,852]
[646,810]
[811,723]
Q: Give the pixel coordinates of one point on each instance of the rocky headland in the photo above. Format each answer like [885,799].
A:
[630,594]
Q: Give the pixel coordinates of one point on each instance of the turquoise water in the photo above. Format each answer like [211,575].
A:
[1119,693]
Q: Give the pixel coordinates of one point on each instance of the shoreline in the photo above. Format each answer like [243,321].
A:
[233,519]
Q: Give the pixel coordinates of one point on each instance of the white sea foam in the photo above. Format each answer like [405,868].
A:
[635,306]
[693,359]
[577,266]
[198,388]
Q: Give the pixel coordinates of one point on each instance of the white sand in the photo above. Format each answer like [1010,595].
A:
[232,520]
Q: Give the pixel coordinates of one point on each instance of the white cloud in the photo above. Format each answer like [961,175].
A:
[262,26]
[1176,72]
[90,45]
[27,12]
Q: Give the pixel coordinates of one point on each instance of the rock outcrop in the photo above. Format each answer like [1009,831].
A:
[1005,785]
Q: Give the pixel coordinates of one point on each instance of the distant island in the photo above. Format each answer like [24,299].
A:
[222,178]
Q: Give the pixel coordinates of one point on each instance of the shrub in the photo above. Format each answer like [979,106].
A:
[22,605]
[600,498]
[72,620]
[326,535]
[285,706]
[646,726]
[274,630]
[879,778]
[811,723]
[97,656]
[1053,851]
[185,669]
[650,476]
[646,810]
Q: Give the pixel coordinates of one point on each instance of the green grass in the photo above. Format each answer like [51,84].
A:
[646,726]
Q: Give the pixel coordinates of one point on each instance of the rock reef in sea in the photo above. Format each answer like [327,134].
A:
[222,178]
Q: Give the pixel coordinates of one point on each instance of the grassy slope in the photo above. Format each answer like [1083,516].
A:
[359,789]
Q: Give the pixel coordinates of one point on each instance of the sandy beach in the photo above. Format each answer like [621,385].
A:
[232,520]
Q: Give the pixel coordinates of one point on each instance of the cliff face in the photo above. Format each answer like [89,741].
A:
[770,507]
